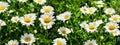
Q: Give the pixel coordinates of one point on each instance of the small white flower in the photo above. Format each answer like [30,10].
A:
[47,10]
[11,11]
[22,1]
[91,10]
[27,38]
[90,42]
[2,23]
[13,42]
[28,19]
[64,31]
[83,24]
[99,3]
[35,31]
[84,9]
[116,32]
[59,41]
[111,26]
[109,11]
[40,1]
[3,6]
[115,18]
[91,27]
[47,21]
[64,16]
[98,22]
[15,19]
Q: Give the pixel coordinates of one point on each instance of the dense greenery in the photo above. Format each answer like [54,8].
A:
[45,37]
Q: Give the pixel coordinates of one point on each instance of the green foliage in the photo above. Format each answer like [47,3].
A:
[45,37]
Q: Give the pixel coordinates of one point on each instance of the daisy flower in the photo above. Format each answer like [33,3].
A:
[15,19]
[64,16]
[64,31]
[111,26]
[59,41]
[90,42]
[91,10]
[3,6]
[47,10]
[47,21]
[83,24]
[116,32]
[2,23]
[99,3]
[40,1]
[109,11]
[13,42]
[22,1]
[84,9]
[28,19]
[91,27]
[115,18]
[27,38]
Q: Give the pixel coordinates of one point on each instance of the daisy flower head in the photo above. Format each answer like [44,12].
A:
[47,21]
[13,42]
[64,31]
[109,11]
[3,6]
[90,42]
[2,23]
[111,26]
[28,19]
[59,41]
[116,32]
[83,24]
[84,9]
[27,38]
[115,18]
[99,3]
[91,10]
[15,19]
[64,16]
[91,27]
[23,1]
[41,2]
[47,10]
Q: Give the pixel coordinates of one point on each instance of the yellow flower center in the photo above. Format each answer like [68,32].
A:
[27,39]
[91,10]
[47,20]
[115,18]
[15,20]
[27,20]
[64,31]
[91,27]
[84,10]
[59,43]
[13,44]
[2,8]
[47,10]
[90,43]
[66,16]
[39,1]
[111,27]
[109,11]
[115,32]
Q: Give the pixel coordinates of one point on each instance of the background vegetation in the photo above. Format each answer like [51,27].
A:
[45,37]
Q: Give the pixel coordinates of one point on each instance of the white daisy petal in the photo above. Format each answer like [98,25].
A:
[27,38]
[40,1]
[59,41]
[3,6]
[13,42]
